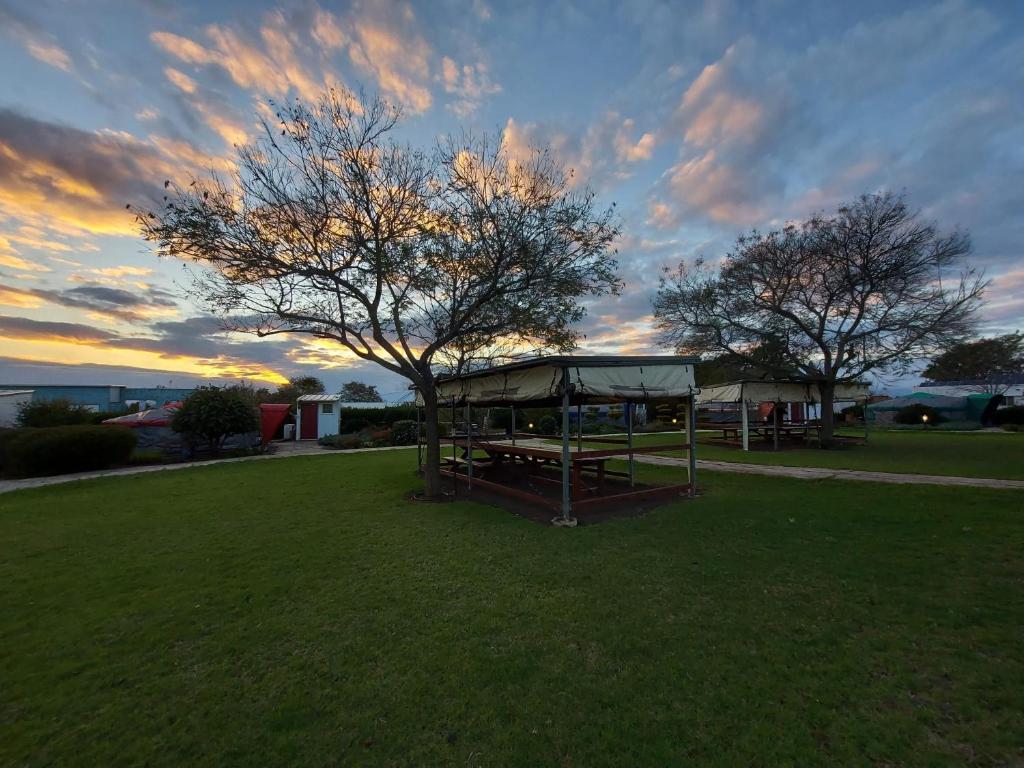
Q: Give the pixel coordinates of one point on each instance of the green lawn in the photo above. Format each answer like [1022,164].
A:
[967,454]
[300,611]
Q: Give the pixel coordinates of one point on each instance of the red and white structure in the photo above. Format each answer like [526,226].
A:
[319,415]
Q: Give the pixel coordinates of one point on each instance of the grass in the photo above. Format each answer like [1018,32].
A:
[302,612]
[968,454]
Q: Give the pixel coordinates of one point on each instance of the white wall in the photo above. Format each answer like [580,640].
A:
[328,423]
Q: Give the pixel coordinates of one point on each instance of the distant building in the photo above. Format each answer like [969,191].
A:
[10,399]
[1011,388]
[112,397]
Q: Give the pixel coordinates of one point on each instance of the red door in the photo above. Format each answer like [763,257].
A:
[307,428]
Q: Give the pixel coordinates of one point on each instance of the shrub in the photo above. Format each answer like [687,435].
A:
[1013,427]
[52,413]
[1014,414]
[32,452]
[210,414]
[915,414]
[548,425]
[341,442]
[403,432]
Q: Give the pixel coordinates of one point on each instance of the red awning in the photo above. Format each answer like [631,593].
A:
[272,416]
[154,417]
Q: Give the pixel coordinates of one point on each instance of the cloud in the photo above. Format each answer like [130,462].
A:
[53,175]
[13,297]
[213,109]
[598,155]
[24,329]
[39,43]
[470,84]
[100,301]
[386,45]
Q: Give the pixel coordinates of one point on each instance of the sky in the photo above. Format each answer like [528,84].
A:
[699,120]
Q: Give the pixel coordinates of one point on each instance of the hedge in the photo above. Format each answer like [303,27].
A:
[380,416]
[31,452]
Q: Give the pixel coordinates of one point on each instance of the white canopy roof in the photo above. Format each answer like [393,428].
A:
[596,379]
[776,392]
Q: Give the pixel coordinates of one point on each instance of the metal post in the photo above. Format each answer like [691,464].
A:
[566,456]
[743,417]
[469,446]
[775,422]
[513,425]
[579,428]
[629,441]
[691,439]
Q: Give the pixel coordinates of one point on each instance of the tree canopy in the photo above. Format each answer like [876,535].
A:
[332,229]
[871,288]
[986,365]
[358,392]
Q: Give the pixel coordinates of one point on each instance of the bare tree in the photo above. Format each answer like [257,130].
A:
[868,289]
[332,229]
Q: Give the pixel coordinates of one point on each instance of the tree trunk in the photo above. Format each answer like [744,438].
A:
[432,466]
[826,434]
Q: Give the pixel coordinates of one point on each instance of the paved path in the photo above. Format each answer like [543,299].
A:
[820,473]
[799,473]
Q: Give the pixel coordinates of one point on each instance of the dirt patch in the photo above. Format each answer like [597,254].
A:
[548,486]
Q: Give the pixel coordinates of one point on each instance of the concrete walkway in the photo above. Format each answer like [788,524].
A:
[287,450]
[821,473]
[818,473]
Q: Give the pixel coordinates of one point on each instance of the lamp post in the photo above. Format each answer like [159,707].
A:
[924,420]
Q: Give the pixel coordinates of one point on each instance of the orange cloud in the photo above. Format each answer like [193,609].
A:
[399,63]
[12,297]
[57,350]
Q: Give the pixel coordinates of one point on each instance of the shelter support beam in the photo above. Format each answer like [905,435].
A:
[691,440]
[746,425]
[775,425]
[630,408]
[566,454]
[469,445]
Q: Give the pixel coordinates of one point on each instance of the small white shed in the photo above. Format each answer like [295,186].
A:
[10,399]
[319,415]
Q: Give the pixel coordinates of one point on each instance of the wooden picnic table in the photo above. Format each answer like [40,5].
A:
[534,458]
[734,430]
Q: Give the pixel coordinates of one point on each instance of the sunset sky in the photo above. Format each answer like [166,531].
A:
[700,120]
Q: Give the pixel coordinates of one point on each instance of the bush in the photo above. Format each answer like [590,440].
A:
[1013,427]
[548,425]
[915,414]
[403,432]
[341,442]
[52,413]
[1014,414]
[211,414]
[32,452]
